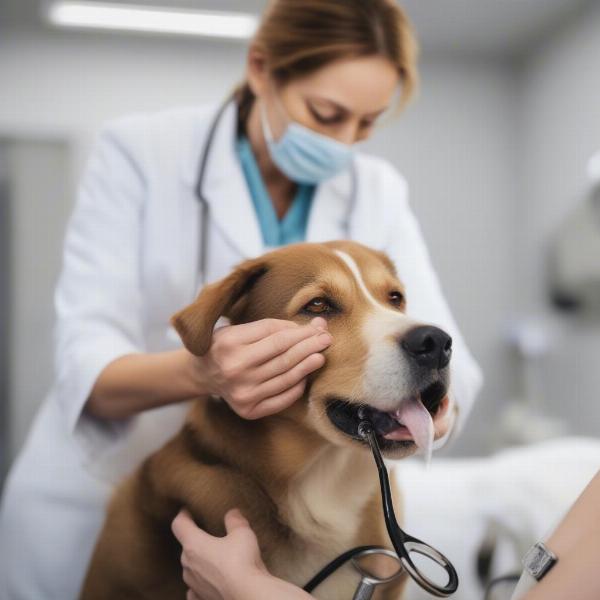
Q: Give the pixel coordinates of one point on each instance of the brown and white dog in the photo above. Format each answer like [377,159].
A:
[303,477]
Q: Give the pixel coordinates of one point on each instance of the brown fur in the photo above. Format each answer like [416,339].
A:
[309,491]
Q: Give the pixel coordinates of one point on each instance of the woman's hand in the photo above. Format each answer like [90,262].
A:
[260,368]
[227,568]
[211,564]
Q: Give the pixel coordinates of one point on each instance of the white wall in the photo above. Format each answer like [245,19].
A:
[456,145]
[4,309]
[559,119]
[68,84]
[39,208]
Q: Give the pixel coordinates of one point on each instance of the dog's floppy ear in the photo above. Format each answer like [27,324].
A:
[195,323]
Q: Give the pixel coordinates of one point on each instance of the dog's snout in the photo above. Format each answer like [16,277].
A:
[429,346]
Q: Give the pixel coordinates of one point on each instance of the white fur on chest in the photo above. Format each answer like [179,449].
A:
[325,508]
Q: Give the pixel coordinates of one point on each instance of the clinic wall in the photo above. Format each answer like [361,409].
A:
[559,117]
[5,304]
[39,209]
[56,84]
[455,145]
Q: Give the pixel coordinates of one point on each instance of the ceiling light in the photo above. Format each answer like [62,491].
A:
[100,15]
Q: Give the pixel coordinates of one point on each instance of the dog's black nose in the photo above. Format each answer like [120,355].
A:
[429,346]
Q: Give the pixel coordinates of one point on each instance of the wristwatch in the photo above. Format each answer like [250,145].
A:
[539,560]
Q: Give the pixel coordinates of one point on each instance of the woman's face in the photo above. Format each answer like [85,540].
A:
[341,100]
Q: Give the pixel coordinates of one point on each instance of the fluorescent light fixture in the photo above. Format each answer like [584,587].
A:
[101,15]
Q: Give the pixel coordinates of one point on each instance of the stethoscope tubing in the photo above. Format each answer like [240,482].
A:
[403,542]
[199,191]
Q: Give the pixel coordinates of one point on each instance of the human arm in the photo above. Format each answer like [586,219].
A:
[98,298]
[233,369]
[576,543]
[104,372]
[228,568]
[137,382]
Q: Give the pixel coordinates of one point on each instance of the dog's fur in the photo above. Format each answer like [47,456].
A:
[309,490]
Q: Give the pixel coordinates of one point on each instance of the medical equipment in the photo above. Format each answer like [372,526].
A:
[403,543]
[368,581]
[200,193]
[204,210]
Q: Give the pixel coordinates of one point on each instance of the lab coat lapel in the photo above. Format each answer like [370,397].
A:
[337,213]
[226,191]
[329,214]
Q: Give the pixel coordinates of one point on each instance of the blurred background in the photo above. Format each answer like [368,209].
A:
[497,150]
[501,150]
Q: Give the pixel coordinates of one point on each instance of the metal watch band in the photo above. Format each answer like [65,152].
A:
[539,560]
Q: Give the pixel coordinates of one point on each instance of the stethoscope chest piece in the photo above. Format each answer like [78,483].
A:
[369,580]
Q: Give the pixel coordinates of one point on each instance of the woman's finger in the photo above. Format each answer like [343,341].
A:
[256,330]
[279,343]
[184,528]
[277,403]
[292,359]
[234,519]
[289,379]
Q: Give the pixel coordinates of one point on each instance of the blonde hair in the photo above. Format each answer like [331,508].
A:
[298,37]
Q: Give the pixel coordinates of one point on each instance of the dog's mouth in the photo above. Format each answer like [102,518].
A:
[419,411]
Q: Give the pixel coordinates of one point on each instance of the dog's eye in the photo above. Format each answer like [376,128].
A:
[396,298]
[318,306]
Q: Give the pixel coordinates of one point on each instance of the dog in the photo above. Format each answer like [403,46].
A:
[304,478]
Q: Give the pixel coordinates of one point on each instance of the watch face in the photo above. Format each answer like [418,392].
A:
[539,560]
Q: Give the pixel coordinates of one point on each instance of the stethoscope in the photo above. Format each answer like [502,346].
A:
[403,543]
[204,156]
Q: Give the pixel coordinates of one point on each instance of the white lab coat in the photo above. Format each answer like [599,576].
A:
[130,262]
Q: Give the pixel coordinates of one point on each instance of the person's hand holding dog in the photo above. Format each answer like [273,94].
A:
[229,567]
[260,368]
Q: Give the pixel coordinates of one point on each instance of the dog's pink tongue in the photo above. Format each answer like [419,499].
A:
[416,418]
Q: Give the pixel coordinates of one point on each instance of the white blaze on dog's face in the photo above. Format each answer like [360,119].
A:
[395,368]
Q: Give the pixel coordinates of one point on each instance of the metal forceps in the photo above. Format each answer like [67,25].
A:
[368,581]
[404,543]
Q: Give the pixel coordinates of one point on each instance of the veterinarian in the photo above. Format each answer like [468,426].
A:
[174,200]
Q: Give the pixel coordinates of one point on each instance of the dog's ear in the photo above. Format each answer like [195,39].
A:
[195,323]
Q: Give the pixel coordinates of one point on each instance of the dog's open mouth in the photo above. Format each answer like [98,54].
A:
[418,412]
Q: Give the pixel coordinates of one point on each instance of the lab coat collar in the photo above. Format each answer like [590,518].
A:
[230,204]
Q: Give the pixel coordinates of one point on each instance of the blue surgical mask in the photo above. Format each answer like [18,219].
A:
[304,155]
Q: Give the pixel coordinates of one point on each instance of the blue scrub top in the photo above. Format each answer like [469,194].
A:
[275,232]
